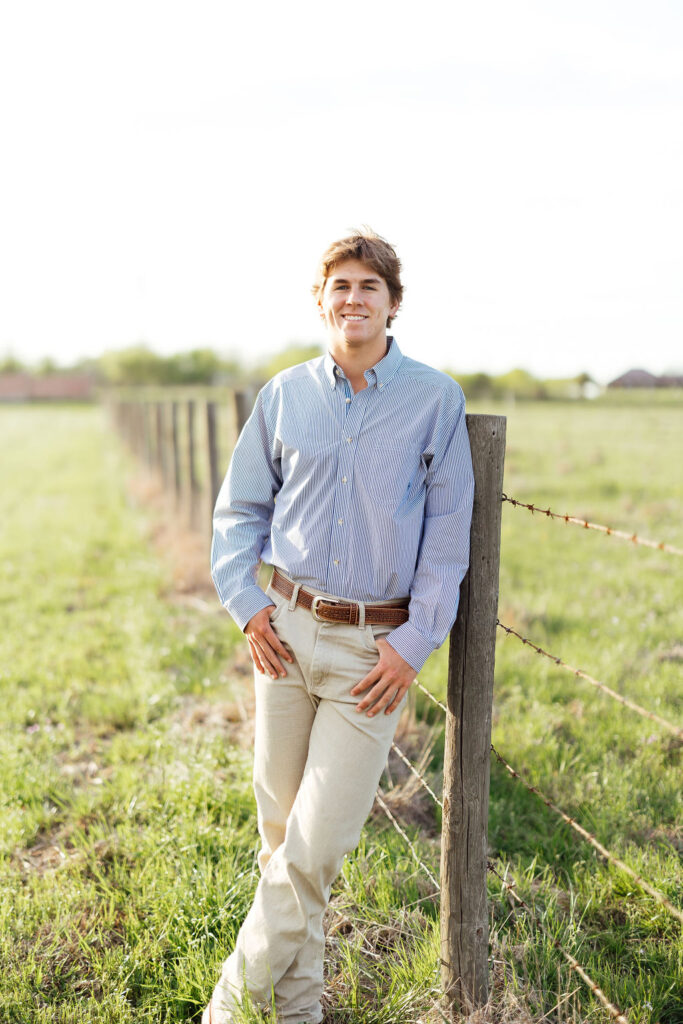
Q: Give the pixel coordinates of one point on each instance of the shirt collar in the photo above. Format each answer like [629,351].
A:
[379,374]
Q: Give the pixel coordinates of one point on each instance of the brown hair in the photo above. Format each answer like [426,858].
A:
[369,248]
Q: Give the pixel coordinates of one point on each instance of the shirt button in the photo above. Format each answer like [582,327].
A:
[348,400]
[340,521]
[381,385]
[343,479]
[349,439]
[336,561]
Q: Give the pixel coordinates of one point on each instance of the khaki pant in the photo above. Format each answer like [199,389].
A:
[317,763]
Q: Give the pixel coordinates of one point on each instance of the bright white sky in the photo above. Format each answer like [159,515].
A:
[171,171]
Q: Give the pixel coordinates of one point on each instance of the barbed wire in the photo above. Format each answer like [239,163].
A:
[609,530]
[590,838]
[428,693]
[511,887]
[404,835]
[574,964]
[421,779]
[678,732]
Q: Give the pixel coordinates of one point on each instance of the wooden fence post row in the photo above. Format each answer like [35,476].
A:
[464,841]
[153,430]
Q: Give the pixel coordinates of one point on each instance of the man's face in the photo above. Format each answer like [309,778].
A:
[355,305]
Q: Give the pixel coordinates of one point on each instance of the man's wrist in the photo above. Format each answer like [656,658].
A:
[246,604]
[411,645]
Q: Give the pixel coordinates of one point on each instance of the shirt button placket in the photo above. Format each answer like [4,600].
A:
[346,455]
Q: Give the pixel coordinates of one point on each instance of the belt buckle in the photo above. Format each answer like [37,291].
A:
[316,601]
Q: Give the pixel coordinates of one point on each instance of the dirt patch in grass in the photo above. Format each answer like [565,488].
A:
[183,550]
[69,953]
[233,719]
[376,943]
[674,653]
[47,854]
[56,848]
[666,836]
[403,792]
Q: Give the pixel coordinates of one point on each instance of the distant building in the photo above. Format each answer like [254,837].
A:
[643,379]
[57,387]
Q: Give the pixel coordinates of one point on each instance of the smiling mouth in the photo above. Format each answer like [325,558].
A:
[354,317]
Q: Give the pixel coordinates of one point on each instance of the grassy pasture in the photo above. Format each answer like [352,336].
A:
[128,834]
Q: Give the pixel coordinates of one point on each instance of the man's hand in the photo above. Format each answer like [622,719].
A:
[265,646]
[387,682]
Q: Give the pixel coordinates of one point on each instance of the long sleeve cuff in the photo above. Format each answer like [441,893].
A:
[411,645]
[245,604]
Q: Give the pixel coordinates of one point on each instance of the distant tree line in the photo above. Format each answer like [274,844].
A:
[139,365]
[521,384]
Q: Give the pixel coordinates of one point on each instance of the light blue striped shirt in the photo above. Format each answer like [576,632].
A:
[367,496]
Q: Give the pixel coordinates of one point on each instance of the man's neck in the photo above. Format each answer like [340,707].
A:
[354,361]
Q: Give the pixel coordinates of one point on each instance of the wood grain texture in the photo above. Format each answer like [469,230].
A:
[464,918]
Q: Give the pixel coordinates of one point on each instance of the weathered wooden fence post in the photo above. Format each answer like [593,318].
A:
[464,914]
[244,401]
[192,483]
[147,428]
[214,482]
[175,454]
[139,430]
[160,448]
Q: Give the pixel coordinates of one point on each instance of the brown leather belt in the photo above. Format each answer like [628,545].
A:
[329,609]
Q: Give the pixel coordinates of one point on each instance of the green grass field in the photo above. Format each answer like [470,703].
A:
[128,827]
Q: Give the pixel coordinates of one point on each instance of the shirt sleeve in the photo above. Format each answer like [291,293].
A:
[444,552]
[242,516]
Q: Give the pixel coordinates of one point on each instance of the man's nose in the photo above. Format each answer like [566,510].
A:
[353,295]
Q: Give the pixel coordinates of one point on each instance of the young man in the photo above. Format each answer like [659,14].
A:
[353,479]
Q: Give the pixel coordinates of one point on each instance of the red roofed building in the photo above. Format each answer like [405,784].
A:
[57,387]
[643,379]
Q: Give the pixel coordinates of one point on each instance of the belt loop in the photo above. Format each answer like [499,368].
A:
[295,594]
[361,615]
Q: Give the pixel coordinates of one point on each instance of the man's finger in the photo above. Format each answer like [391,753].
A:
[386,698]
[371,699]
[276,643]
[254,652]
[263,657]
[373,675]
[400,694]
[271,646]
[268,655]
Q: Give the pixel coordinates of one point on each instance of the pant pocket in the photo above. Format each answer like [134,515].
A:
[372,634]
[278,600]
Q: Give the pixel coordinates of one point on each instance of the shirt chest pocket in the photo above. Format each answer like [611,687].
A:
[390,477]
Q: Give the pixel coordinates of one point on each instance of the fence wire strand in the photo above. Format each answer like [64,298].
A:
[574,964]
[404,835]
[609,530]
[678,732]
[590,838]
[428,693]
[420,862]
[421,779]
